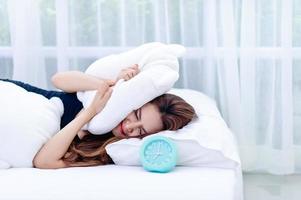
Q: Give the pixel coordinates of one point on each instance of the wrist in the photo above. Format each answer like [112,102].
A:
[89,112]
[99,83]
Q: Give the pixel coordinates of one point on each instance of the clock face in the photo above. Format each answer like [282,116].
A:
[158,154]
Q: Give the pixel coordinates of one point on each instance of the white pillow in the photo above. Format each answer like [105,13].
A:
[27,121]
[205,141]
[159,68]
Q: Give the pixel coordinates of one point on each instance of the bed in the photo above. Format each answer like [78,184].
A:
[112,182]
[207,147]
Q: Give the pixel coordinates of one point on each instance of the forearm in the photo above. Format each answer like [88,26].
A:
[57,146]
[73,81]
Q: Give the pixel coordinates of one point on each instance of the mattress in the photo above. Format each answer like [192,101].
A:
[112,182]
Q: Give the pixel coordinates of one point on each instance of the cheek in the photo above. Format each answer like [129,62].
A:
[115,130]
[159,128]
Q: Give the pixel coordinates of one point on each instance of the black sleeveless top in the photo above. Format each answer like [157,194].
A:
[72,105]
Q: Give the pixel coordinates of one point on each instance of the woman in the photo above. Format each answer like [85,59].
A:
[72,146]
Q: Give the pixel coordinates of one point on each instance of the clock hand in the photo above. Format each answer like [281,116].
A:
[155,156]
[159,148]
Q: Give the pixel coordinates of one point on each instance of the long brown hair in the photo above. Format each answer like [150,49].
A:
[90,150]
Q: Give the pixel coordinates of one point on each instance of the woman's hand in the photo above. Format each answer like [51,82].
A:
[51,154]
[101,97]
[73,81]
[106,82]
[128,73]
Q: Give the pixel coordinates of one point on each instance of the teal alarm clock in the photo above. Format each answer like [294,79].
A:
[158,154]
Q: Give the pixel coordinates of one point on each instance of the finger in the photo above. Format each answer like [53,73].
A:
[102,89]
[135,66]
[109,91]
[127,77]
[108,94]
[111,82]
[136,72]
[132,74]
[104,100]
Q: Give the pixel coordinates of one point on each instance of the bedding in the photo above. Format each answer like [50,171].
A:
[27,121]
[206,141]
[159,68]
[108,182]
[113,182]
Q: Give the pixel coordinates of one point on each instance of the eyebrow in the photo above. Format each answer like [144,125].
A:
[140,114]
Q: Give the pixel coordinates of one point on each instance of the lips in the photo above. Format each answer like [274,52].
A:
[121,129]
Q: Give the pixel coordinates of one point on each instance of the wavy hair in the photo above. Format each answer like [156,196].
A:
[90,150]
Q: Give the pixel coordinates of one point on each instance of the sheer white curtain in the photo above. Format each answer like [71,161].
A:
[26,42]
[243,53]
[266,69]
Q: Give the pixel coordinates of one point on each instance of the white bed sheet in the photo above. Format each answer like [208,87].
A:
[113,182]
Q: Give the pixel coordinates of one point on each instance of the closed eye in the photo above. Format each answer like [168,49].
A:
[137,120]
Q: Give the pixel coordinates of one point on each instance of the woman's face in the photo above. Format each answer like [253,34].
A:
[146,120]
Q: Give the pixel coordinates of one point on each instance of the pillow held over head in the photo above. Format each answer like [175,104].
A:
[159,68]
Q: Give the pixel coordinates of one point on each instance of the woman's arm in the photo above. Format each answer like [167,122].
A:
[51,154]
[73,81]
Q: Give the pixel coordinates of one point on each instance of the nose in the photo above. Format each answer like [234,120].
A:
[131,126]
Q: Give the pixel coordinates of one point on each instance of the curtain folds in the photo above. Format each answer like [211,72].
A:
[26,44]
